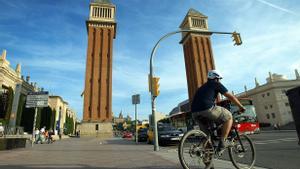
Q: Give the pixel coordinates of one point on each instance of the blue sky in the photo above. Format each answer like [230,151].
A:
[49,39]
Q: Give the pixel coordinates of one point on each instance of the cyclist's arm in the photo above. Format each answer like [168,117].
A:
[234,100]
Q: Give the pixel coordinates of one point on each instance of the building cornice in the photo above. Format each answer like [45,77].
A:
[272,85]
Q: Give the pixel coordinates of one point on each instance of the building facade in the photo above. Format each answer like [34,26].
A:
[62,110]
[101,28]
[13,91]
[270,100]
[197,50]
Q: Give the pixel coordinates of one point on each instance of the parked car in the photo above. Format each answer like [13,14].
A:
[167,134]
[127,134]
[142,134]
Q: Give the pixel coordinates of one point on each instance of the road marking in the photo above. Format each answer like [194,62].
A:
[276,141]
[55,166]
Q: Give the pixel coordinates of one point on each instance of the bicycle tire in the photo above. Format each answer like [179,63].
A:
[195,150]
[236,149]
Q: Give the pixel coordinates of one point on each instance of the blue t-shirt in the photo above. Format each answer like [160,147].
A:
[206,95]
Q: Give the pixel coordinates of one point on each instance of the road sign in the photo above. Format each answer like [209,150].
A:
[37,99]
[136,99]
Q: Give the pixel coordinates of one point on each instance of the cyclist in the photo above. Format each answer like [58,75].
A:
[203,105]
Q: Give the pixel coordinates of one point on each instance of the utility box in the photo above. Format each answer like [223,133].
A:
[294,99]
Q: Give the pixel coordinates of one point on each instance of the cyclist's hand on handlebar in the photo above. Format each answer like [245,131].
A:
[242,110]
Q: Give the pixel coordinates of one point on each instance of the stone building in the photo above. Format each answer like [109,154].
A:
[270,100]
[61,109]
[11,79]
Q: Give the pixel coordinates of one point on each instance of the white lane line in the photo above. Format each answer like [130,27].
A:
[275,141]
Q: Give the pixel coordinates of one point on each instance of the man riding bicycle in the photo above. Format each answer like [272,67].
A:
[203,105]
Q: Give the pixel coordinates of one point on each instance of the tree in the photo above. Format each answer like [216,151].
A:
[69,125]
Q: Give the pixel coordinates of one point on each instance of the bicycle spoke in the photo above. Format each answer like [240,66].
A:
[192,153]
[242,153]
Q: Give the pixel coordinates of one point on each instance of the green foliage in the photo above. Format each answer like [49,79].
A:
[69,126]
[4,122]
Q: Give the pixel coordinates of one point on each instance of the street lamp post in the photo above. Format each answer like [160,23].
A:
[236,38]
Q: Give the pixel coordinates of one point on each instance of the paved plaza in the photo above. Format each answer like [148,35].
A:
[91,153]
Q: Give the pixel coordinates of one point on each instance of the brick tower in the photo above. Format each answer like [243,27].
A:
[101,28]
[197,50]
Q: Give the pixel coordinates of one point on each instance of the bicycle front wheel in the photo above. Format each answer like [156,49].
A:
[195,150]
[242,153]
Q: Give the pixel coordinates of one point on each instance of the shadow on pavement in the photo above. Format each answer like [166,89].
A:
[79,166]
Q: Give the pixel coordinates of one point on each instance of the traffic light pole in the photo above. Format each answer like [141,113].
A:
[33,128]
[156,146]
[136,123]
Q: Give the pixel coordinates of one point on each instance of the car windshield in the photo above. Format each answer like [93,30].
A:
[166,128]
[246,119]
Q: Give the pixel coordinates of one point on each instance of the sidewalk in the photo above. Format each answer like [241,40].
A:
[90,153]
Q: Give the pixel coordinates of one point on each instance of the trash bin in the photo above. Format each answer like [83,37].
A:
[294,99]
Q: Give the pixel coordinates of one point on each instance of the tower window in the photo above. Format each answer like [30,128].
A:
[200,23]
[268,116]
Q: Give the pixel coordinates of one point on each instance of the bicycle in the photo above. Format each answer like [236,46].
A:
[200,149]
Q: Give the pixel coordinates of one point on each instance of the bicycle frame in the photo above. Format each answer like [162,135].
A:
[212,130]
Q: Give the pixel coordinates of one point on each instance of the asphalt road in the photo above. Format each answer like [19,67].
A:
[277,150]
[274,149]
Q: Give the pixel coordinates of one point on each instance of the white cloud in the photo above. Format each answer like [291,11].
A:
[277,7]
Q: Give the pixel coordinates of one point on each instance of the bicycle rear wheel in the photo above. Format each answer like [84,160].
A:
[195,150]
[242,158]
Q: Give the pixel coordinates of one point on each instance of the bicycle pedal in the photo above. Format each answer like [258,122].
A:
[219,153]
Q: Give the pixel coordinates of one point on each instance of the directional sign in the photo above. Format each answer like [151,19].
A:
[37,99]
[136,99]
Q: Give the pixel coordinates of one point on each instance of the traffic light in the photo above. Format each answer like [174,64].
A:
[155,86]
[236,38]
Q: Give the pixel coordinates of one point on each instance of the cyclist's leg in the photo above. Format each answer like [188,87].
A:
[223,116]
[197,116]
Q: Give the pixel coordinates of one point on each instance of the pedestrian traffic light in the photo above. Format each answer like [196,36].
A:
[236,38]
[155,86]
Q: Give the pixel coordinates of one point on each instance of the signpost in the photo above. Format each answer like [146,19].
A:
[135,101]
[36,100]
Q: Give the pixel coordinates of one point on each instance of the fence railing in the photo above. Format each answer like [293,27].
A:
[11,131]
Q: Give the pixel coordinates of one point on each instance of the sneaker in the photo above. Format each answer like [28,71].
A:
[222,146]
